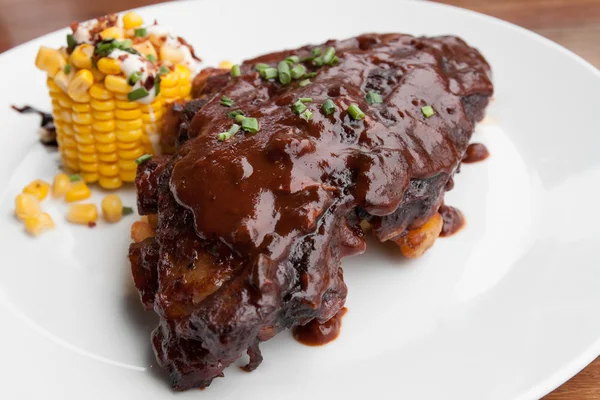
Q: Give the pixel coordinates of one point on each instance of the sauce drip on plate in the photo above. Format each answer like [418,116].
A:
[476,152]
[317,333]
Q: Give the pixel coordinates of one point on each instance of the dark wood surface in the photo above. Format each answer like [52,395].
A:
[574,24]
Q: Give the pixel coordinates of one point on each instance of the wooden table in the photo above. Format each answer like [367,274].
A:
[574,24]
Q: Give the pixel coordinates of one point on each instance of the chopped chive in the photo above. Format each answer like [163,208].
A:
[335,61]
[163,70]
[306,115]
[143,159]
[67,69]
[374,98]
[261,66]
[124,44]
[127,211]
[329,107]
[151,58]
[157,81]
[292,60]
[239,118]
[298,107]
[74,178]
[298,71]
[233,114]
[226,101]
[71,42]
[328,56]
[223,136]
[316,51]
[305,82]
[319,61]
[140,32]
[234,129]
[283,70]
[134,78]
[305,99]
[355,112]
[428,111]
[250,125]
[310,75]
[137,94]
[236,71]
[269,73]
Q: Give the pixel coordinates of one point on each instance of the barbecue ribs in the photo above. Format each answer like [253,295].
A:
[251,230]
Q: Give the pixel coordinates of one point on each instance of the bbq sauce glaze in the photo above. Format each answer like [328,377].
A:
[317,333]
[476,152]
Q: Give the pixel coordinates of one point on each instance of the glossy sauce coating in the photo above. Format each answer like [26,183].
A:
[317,333]
[454,220]
[476,152]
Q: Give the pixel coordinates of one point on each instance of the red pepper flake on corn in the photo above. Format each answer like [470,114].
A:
[110,87]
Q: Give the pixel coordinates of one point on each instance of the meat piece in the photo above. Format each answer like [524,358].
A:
[252,230]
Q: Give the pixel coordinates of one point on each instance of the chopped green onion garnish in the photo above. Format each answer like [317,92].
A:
[319,61]
[143,159]
[234,129]
[140,32]
[310,75]
[71,42]
[151,57]
[239,118]
[124,44]
[74,178]
[283,70]
[233,114]
[250,125]
[223,136]
[298,107]
[355,112]
[67,69]
[134,78]
[137,94]
[335,61]
[226,101]
[236,71]
[157,85]
[316,51]
[374,98]
[298,71]
[163,70]
[269,73]
[329,107]
[306,115]
[305,99]
[260,66]
[427,111]
[305,82]
[292,60]
[127,211]
[328,56]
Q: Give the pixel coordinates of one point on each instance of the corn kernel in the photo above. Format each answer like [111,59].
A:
[128,114]
[108,157]
[130,154]
[146,48]
[103,115]
[169,80]
[78,191]
[80,84]
[49,60]
[90,177]
[132,20]
[98,75]
[225,65]
[171,54]
[90,158]
[98,92]
[127,165]
[38,188]
[88,167]
[82,118]
[37,224]
[126,104]
[129,136]
[106,105]
[26,205]
[62,80]
[113,182]
[112,208]
[106,147]
[60,185]
[117,84]
[112,33]
[127,176]
[82,56]
[82,213]
[129,125]
[81,108]
[109,66]
[108,170]
[105,138]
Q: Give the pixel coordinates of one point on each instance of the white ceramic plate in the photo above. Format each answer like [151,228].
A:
[506,309]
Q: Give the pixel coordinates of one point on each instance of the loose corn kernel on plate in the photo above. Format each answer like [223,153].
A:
[506,309]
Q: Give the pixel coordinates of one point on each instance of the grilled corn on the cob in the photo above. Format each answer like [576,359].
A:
[109,91]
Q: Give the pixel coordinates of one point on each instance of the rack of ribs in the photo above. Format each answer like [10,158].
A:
[251,230]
